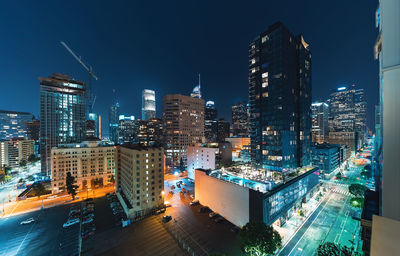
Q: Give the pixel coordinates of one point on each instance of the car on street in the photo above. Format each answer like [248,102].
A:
[212,215]
[27,221]
[219,219]
[204,209]
[87,220]
[166,218]
[71,222]
[173,187]
[194,202]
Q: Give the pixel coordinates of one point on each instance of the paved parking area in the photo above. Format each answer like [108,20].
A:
[44,237]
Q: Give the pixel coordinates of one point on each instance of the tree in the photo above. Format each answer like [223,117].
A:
[38,189]
[32,158]
[331,249]
[22,163]
[71,187]
[259,239]
[339,176]
[357,190]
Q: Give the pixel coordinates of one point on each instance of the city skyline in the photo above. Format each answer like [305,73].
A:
[341,56]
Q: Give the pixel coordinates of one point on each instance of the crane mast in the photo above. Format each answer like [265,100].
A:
[90,73]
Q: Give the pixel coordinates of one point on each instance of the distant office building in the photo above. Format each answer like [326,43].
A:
[12,152]
[238,144]
[326,156]
[8,154]
[200,157]
[127,129]
[210,122]
[140,179]
[280,99]
[241,201]
[33,133]
[196,91]
[150,132]
[223,130]
[183,125]
[240,120]
[12,124]
[62,114]
[148,104]
[224,154]
[347,110]
[92,126]
[90,162]
[113,119]
[320,126]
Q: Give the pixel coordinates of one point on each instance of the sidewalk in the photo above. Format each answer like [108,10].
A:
[296,221]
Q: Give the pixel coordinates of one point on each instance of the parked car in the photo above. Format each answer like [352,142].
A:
[71,222]
[87,220]
[219,219]
[160,211]
[27,221]
[166,218]
[212,215]
[235,229]
[173,187]
[194,202]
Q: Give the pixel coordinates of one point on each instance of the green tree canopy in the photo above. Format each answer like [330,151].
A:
[22,163]
[259,239]
[38,189]
[357,189]
[331,249]
[32,158]
[71,187]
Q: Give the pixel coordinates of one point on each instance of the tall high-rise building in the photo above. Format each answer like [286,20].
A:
[33,133]
[223,130]
[196,91]
[240,120]
[113,118]
[320,117]
[150,132]
[347,111]
[183,126]
[210,122]
[148,104]
[13,124]
[62,114]
[280,99]
[127,129]
[92,126]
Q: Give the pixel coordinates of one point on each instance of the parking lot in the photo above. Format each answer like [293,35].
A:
[201,232]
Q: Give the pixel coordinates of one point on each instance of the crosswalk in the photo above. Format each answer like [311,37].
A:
[341,191]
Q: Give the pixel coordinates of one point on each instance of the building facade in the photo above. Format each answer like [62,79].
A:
[223,130]
[241,204]
[62,114]
[210,122]
[240,120]
[183,126]
[127,129]
[200,157]
[9,154]
[90,162]
[148,104]
[150,132]
[326,156]
[33,133]
[320,124]
[13,124]
[140,179]
[113,119]
[280,99]
[347,111]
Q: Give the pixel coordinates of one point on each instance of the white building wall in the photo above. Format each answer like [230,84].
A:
[200,158]
[229,200]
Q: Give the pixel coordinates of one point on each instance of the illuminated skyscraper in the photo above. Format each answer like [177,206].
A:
[12,124]
[210,122]
[62,114]
[196,91]
[280,99]
[320,116]
[113,118]
[240,120]
[148,104]
[183,126]
[127,129]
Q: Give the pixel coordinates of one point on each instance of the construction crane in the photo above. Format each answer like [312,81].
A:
[90,72]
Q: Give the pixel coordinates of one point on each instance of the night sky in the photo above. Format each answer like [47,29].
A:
[164,45]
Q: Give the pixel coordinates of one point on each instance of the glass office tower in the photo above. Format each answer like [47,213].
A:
[148,104]
[113,118]
[12,124]
[280,99]
[62,114]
